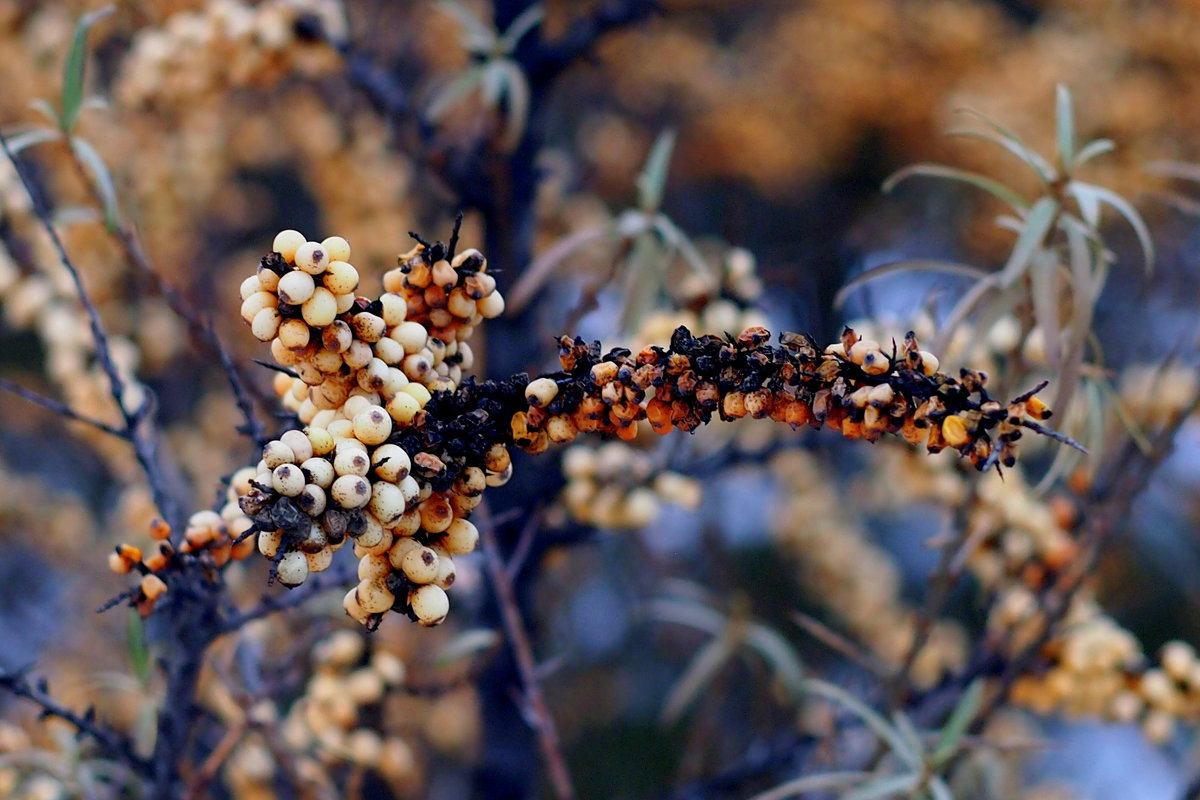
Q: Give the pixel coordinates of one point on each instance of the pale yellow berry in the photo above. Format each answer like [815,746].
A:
[418,392]
[393,382]
[249,287]
[372,426]
[353,609]
[337,247]
[420,565]
[446,570]
[256,303]
[292,569]
[265,324]
[312,258]
[294,334]
[541,392]
[929,362]
[411,489]
[461,537]
[416,366]
[387,503]
[358,355]
[367,326]
[345,302]
[268,542]
[350,491]
[394,309]
[430,604]
[374,568]
[341,429]
[311,500]
[319,472]
[391,463]
[491,306]
[409,522]
[340,278]
[374,597]
[287,479]
[403,406]
[495,479]
[153,587]
[268,279]
[351,461]
[287,243]
[389,351]
[320,440]
[410,335]
[276,452]
[296,287]
[320,309]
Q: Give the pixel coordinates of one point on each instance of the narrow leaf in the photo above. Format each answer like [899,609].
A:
[479,35]
[73,72]
[681,242]
[785,664]
[965,305]
[811,783]
[939,789]
[104,182]
[994,188]
[889,786]
[906,265]
[467,644]
[1037,225]
[1183,170]
[542,267]
[516,93]
[451,94]
[1064,126]
[1023,154]
[700,672]
[653,178]
[1044,288]
[868,715]
[20,141]
[1126,210]
[960,719]
[135,642]
[1089,203]
[1031,155]
[526,21]
[1096,147]
[47,110]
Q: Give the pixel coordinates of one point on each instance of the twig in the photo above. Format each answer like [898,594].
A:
[144,446]
[840,644]
[62,409]
[216,759]
[111,742]
[273,603]
[518,640]
[201,329]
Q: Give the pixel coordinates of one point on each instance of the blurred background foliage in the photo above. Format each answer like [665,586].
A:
[226,122]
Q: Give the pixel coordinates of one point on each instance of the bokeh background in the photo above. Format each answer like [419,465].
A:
[226,122]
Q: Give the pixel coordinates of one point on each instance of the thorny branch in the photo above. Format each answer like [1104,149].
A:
[138,431]
[111,742]
[62,409]
[518,640]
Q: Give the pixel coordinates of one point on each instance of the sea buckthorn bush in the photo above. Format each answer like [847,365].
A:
[707,424]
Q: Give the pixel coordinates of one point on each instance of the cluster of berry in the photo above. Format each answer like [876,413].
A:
[360,373]
[852,386]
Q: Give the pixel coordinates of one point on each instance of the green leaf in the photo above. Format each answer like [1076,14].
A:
[653,178]
[888,786]
[994,188]
[467,644]
[700,672]
[869,716]
[1027,154]
[1126,210]
[906,265]
[35,136]
[960,719]
[72,90]
[135,642]
[47,110]
[1037,224]
[526,21]
[1064,126]
[103,178]
[1096,147]
[939,789]
[1044,289]
[811,783]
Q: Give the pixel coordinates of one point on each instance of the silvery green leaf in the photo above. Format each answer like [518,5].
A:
[888,786]
[1031,156]
[542,267]
[1089,203]
[992,187]
[451,94]
[1023,154]
[811,783]
[467,644]
[1126,210]
[43,107]
[139,651]
[785,664]
[104,183]
[869,716]
[653,178]
[516,91]
[939,789]
[906,265]
[965,305]
[73,72]
[959,721]
[1037,224]
[20,141]
[492,82]
[1096,147]
[1043,279]
[478,36]
[1064,126]
[680,241]
[526,21]
[700,672]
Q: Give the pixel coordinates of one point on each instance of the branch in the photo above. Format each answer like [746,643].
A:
[547,61]
[61,409]
[111,742]
[272,603]
[518,640]
[143,445]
